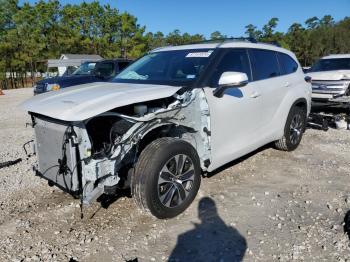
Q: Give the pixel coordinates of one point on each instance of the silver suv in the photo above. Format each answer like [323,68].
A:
[331,78]
[171,116]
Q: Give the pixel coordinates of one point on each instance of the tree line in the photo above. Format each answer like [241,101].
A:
[32,33]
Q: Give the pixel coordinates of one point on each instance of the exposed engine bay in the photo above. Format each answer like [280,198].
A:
[97,155]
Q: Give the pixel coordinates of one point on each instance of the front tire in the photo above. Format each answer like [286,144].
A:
[293,130]
[167,177]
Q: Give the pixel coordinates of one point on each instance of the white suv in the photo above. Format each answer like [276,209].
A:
[331,78]
[171,116]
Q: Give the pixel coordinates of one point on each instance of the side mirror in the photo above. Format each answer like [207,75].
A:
[230,79]
[308,79]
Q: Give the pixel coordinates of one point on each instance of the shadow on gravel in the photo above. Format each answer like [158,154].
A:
[107,200]
[211,240]
[347,224]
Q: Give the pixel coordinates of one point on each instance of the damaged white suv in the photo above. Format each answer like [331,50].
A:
[172,115]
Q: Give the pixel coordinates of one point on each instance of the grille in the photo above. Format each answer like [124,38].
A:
[328,87]
[329,83]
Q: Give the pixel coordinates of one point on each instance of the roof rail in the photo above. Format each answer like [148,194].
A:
[275,43]
[233,39]
[221,41]
[157,48]
[227,39]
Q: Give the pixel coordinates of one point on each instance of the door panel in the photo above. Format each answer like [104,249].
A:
[235,120]
[272,92]
[235,117]
[272,85]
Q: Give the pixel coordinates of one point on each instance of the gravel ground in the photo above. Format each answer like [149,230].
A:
[269,206]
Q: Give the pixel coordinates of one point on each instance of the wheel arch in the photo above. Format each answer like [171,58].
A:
[301,103]
[165,130]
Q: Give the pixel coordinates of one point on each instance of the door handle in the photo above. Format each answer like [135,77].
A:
[255,94]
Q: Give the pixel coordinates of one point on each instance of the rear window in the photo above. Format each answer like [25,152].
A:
[264,64]
[288,64]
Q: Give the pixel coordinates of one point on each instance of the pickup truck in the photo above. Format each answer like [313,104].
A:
[88,72]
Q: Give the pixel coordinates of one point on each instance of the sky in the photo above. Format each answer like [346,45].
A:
[228,17]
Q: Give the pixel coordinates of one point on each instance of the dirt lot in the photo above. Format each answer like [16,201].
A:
[269,206]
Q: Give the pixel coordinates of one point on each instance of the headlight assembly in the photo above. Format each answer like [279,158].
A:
[52,87]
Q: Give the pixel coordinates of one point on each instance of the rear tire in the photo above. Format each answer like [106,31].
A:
[166,178]
[293,130]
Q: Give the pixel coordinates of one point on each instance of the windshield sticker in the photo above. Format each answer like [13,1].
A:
[190,76]
[200,54]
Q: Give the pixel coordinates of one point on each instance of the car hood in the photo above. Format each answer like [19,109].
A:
[84,101]
[62,80]
[330,75]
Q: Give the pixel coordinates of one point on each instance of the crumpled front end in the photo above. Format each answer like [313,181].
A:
[97,155]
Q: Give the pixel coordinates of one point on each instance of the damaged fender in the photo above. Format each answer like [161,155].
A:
[99,150]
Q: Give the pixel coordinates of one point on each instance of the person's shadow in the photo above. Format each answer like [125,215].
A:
[211,240]
[347,224]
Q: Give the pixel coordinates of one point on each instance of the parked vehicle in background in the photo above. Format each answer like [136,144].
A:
[306,69]
[330,78]
[68,63]
[167,118]
[88,72]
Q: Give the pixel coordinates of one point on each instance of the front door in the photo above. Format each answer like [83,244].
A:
[236,116]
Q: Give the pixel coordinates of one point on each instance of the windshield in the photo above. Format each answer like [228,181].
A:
[331,64]
[177,68]
[85,69]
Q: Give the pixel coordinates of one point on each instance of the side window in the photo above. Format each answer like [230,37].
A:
[264,64]
[105,69]
[235,60]
[287,63]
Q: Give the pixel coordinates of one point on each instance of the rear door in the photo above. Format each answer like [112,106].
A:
[288,67]
[272,86]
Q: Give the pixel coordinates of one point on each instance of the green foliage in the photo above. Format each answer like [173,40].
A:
[217,35]
[32,33]
[319,37]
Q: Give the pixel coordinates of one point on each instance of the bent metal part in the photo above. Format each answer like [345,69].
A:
[63,161]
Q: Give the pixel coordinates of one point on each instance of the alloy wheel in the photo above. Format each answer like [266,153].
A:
[296,129]
[176,180]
